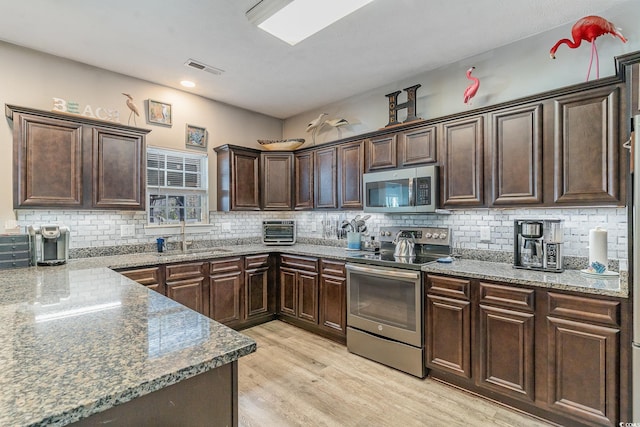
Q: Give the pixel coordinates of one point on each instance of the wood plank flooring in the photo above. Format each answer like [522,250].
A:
[300,379]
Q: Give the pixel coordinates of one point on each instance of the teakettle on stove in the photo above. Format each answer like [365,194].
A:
[405,245]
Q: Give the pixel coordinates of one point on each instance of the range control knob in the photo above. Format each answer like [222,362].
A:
[427,235]
[443,236]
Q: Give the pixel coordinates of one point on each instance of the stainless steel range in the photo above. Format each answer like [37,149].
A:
[385,296]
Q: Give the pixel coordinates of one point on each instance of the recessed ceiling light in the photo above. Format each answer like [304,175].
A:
[187,83]
[295,20]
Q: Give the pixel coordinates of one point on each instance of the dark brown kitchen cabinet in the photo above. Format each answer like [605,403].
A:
[382,152]
[303,180]
[586,144]
[506,346]
[187,284]
[462,171]
[333,297]
[417,146]
[583,336]
[448,325]
[351,168]
[260,300]
[75,162]
[516,147]
[326,178]
[226,287]
[238,183]
[276,181]
[299,288]
[151,277]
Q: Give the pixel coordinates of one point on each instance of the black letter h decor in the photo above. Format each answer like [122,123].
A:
[410,105]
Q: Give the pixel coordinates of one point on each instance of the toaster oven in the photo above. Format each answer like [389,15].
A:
[279,232]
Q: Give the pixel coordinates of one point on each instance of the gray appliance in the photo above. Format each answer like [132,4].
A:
[385,296]
[411,190]
[49,244]
[635,274]
[537,244]
[279,232]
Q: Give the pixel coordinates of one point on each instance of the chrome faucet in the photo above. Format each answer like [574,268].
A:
[183,241]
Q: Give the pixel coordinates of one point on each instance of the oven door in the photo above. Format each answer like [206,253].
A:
[385,302]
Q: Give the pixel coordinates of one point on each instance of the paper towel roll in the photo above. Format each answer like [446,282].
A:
[598,246]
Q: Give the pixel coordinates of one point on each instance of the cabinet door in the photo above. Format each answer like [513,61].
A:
[586,148]
[326,178]
[151,277]
[333,304]
[303,171]
[257,292]
[288,292]
[507,352]
[351,163]
[189,292]
[516,156]
[245,178]
[47,162]
[463,162]
[448,332]
[277,172]
[583,370]
[418,146]
[119,169]
[382,152]
[633,88]
[225,297]
[308,296]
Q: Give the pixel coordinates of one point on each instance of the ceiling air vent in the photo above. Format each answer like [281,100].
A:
[203,67]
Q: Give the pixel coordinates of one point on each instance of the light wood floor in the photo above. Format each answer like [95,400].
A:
[299,379]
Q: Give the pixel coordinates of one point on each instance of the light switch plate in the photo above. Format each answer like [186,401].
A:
[485,234]
[127,230]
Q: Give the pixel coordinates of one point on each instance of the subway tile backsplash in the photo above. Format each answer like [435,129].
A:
[102,230]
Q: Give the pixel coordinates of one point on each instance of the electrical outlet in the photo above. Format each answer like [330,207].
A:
[226,226]
[313,226]
[127,230]
[485,234]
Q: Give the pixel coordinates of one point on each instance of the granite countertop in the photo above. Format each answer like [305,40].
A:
[570,280]
[76,341]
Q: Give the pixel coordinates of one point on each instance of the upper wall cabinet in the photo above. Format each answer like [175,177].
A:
[586,144]
[64,161]
[277,183]
[402,149]
[351,166]
[303,185]
[238,182]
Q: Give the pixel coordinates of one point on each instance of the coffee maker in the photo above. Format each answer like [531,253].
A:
[49,244]
[537,244]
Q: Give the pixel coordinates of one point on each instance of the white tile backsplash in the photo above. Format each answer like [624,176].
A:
[99,228]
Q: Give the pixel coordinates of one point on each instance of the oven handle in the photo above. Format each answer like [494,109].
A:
[396,273]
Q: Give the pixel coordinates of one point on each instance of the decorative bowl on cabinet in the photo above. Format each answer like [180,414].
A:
[283,145]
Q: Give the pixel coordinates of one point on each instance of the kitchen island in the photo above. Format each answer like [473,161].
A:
[88,342]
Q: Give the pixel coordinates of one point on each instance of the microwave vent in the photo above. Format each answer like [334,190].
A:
[203,67]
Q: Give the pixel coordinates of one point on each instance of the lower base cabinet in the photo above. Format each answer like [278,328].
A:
[557,355]
[333,298]
[185,283]
[299,288]
[225,290]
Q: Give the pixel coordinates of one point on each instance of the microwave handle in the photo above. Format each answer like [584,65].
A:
[412,201]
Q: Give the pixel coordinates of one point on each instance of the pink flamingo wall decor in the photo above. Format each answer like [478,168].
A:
[589,29]
[472,89]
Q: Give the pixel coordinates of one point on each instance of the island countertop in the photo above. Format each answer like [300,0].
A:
[75,342]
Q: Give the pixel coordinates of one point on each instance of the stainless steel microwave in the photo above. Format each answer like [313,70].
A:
[279,232]
[413,190]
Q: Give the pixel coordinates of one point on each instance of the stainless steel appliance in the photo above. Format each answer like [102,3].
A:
[635,272]
[537,244]
[279,232]
[49,244]
[413,190]
[385,298]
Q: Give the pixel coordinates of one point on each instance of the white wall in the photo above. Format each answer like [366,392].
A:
[32,79]
[520,69]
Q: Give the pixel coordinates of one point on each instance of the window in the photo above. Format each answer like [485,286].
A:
[176,187]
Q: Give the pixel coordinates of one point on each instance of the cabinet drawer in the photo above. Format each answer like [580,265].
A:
[332,268]
[19,238]
[300,263]
[225,265]
[256,261]
[584,308]
[14,247]
[14,256]
[14,264]
[507,296]
[144,276]
[183,271]
[448,287]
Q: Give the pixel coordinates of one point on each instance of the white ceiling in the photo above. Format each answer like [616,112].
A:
[387,40]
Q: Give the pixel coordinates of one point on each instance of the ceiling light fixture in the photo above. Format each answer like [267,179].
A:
[295,20]
[187,83]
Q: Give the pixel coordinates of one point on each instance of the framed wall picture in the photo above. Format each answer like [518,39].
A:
[196,137]
[159,112]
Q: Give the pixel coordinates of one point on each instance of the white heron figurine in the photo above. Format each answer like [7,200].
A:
[317,123]
[134,110]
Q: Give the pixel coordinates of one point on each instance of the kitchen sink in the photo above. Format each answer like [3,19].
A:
[192,252]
